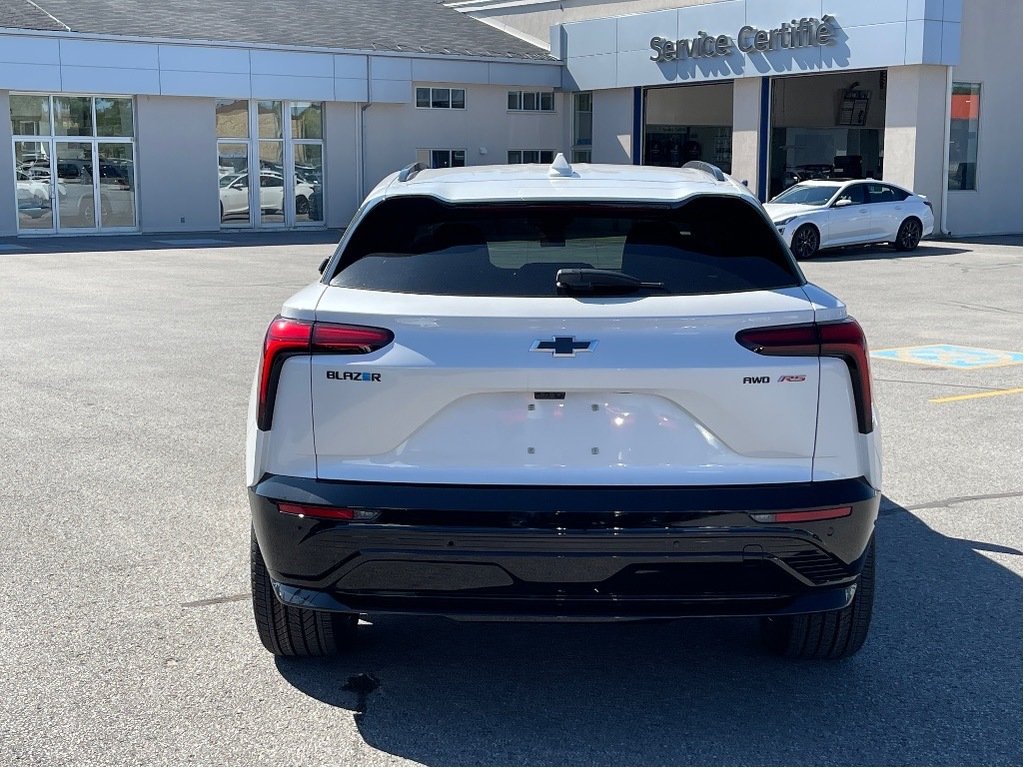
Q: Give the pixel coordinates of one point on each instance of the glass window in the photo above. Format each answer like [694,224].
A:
[965,108]
[30,115]
[272,204]
[309,186]
[423,98]
[32,183]
[547,102]
[440,98]
[458,98]
[117,184]
[72,115]
[232,118]
[583,120]
[307,119]
[855,194]
[531,156]
[269,119]
[547,156]
[530,101]
[114,117]
[233,164]
[515,100]
[515,157]
[458,158]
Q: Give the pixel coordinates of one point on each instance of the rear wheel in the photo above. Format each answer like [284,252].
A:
[287,631]
[828,635]
[908,235]
[806,241]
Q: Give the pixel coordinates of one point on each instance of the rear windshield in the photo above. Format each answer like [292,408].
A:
[422,245]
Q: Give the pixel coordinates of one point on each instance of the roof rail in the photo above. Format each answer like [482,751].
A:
[410,170]
[700,165]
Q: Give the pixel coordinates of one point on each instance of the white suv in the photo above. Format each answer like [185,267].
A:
[590,393]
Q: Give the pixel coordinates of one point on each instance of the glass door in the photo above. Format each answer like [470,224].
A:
[36,193]
[76,185]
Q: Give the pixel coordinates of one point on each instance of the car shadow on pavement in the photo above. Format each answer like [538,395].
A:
[883,252]
[938,682]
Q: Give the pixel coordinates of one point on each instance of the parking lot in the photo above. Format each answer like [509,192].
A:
[127,633]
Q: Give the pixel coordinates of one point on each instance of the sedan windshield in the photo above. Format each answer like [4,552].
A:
[806,194]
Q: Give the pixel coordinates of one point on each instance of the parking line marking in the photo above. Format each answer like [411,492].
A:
[994,393]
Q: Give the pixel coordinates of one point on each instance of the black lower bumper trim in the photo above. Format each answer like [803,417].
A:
[564,551]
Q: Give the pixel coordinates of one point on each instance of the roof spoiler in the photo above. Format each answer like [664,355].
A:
[410,171]
[708,168]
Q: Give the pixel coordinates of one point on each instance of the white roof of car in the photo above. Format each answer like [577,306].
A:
[583,181]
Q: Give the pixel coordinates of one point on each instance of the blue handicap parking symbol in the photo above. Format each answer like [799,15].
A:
[950,356]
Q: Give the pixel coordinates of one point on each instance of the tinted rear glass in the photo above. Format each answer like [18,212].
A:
[421,245]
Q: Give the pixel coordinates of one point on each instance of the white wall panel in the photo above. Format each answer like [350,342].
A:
[197,58]
[524,74]
[29,50]
[30,77]
[109,80]
[205,84]
[390,68]
[351,89]
[440,71]
[294,64]
[351,67]
[95,53]
[292,87]
[768,14]
[391,91]
[591,38]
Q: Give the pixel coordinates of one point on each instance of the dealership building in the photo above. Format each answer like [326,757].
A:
[195,116]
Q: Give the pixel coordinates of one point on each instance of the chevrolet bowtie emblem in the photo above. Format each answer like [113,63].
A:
[563,346]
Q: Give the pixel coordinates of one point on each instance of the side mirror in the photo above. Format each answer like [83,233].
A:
[842,202]
[323,265]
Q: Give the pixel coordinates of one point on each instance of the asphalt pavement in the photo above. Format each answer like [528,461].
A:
[127,635]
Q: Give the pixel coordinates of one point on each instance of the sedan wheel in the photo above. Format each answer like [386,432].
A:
[806,242]
[908,236]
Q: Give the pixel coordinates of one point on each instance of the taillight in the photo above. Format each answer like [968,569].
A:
[803,516]
[335,339]
[287,337]
[843,339]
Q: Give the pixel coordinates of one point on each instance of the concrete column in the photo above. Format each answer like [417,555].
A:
[341,163]
[613,126]
[746,120]
[915,118]
[8,201]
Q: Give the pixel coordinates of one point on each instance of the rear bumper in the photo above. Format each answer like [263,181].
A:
[564,551]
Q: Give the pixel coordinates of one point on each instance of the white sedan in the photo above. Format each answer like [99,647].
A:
[825,214]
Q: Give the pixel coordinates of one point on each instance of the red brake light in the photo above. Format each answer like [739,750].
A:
[843,339]
[349,339]
[287,337]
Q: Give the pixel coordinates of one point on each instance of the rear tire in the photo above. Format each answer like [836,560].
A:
[287,631]
[828,635]
[908,235]
[806,241]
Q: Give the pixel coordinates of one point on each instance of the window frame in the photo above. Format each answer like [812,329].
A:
[430,97]
[977,155]
[522,156]
[520,98]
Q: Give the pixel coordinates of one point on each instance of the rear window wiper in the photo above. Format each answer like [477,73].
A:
[601,281]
